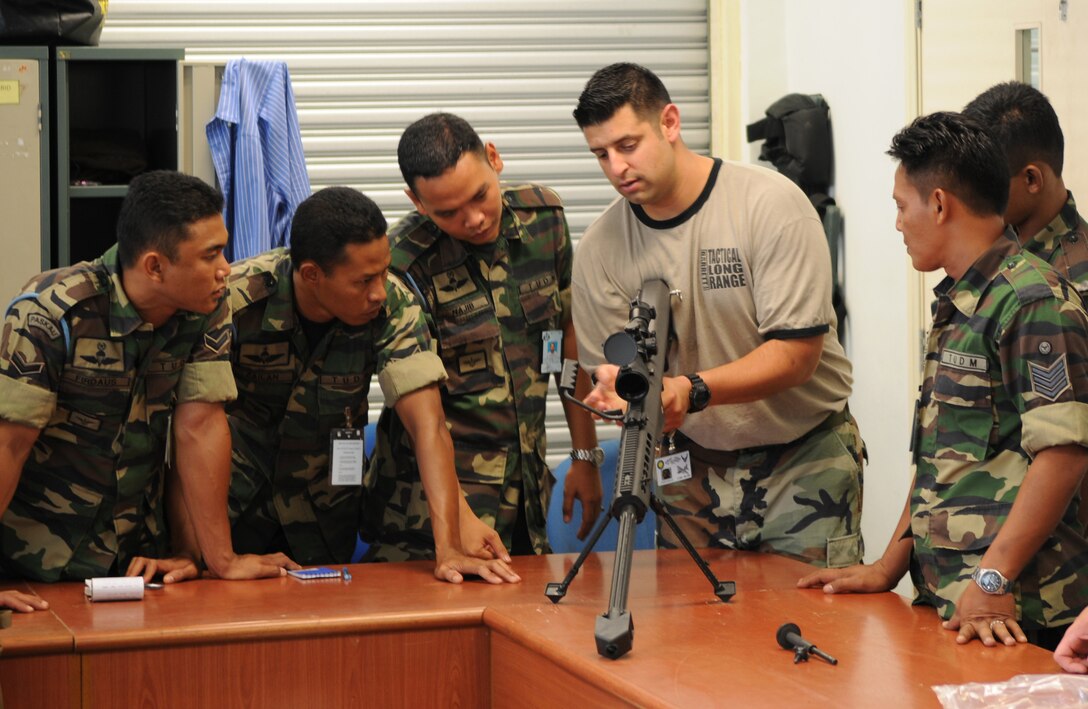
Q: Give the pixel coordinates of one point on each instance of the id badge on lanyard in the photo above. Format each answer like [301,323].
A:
[551,356]
[347,453]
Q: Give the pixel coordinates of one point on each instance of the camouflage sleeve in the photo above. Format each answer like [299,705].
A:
[207,375]
[32,356]
[406,357]
[1044,364]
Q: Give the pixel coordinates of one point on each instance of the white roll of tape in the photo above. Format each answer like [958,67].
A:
[124,588]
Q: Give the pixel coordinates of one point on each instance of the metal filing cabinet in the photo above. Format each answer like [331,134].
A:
[116,116]
[24,166]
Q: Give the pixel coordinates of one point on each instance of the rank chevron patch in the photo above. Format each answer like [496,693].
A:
[1049,382]
[24,368]
[217,343]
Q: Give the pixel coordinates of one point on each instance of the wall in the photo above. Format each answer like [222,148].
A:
[860,68]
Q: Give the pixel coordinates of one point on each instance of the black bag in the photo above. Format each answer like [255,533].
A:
[52,22]
[797,141]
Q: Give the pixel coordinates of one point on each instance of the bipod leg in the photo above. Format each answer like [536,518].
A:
[556,591]
[724,590]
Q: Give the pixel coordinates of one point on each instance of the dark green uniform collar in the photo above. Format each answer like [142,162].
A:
[1065,222]
[279,312]
[124,318]
[965,293]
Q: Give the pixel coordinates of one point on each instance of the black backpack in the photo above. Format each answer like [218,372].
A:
[797,141]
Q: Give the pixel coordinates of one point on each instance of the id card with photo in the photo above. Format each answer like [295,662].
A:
[551,358]
[672,468]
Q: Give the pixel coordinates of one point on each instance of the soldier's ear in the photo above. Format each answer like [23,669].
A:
[415,201]
[150,265]
[1033,177]
[493,157]
[939,203]
[309,273]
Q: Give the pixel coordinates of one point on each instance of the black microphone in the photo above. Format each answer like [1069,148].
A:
[789,637]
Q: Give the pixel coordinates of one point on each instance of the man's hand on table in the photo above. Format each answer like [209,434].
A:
[453,565]
[22,602]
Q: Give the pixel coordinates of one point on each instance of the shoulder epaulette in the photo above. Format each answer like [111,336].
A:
[410,237]
[532,197]
[249,288]
[59,291]
[1031,278]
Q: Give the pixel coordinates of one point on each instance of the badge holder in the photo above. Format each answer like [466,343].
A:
[347,453]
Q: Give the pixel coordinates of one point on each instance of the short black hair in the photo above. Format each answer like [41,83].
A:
[619,85]
[434,144]
[329,220]
[157,211]
[954,152]
[1024,124]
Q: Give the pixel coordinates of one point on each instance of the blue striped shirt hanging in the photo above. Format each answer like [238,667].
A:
[257,151]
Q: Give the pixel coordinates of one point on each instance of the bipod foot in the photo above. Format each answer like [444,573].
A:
[725,590]
[555,591]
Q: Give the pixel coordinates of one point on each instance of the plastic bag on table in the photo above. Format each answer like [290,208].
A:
[1020,692]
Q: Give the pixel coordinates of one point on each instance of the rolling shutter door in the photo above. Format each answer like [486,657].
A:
[363,70]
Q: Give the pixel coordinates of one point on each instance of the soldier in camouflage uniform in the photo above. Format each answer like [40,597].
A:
[492,267]
[991,534]
[1043,212]
[312,326]
[758,383]
[96,359]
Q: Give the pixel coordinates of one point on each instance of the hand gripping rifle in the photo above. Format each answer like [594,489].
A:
[639,351]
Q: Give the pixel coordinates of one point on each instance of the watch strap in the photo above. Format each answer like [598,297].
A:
[590,455]
[699,396]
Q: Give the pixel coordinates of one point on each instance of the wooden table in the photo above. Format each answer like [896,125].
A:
[394,636]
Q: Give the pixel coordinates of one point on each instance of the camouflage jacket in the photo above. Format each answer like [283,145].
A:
[80,364]
[1063,243]
[1005,377]
[292,394]
[488,311]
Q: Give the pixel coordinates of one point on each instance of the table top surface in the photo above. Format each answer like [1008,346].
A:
[689,647]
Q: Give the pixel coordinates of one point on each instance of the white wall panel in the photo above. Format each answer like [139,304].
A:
[363,70]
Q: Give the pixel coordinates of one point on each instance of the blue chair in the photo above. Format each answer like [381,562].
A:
[563,537]
[369,436]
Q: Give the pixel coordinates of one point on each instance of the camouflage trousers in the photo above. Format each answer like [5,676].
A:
[405,531]
[257,527]
[800,499]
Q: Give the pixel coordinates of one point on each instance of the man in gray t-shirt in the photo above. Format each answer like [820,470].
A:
[758,383]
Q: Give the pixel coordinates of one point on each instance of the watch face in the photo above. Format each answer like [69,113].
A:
[990,581]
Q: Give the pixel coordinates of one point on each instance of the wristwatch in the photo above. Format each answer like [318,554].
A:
[591,455]
[699,397]
[991,581]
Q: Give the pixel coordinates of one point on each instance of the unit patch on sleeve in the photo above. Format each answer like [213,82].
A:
[39,321]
